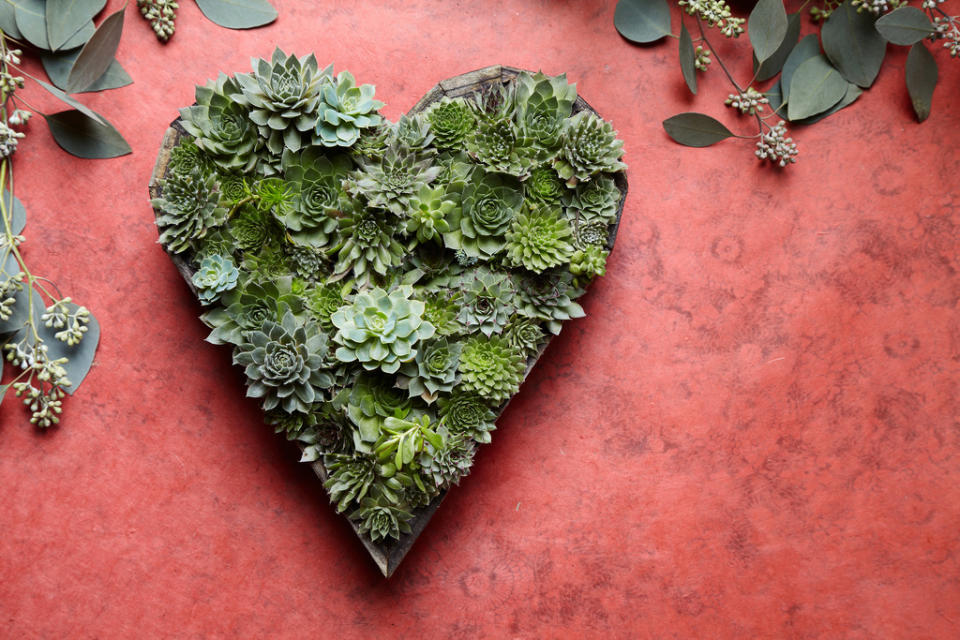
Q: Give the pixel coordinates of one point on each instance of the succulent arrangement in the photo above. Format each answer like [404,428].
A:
[386,285]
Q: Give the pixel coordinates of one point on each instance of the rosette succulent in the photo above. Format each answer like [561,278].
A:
[322,301]
[491,368]
[285,364]
[216,275]
[283,96]
[350,478]
[589,262]
[315,203]
[412,132]
[381,519]
[589,146]
[544,187]
[252,229]
[500,146]
[345,111]
[450,121]
[488,207]
[391,181]
[447,464]
[366,244]
[221,127]
[595,201]
[372,400]
[233,189]
[427,216]
[524,334]
[487,304]
[466,414]
[543,105]
[187,156]
[189,205]
[590,233]
[539,240]
[381,330]
[372,142]
[440,308]
[307,262]
[433,370]
[549,297]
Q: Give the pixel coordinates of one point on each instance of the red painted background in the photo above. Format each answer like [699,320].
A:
[755,433]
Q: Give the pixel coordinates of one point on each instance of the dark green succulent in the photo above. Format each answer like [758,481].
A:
[524,334]
[539,239]
[372,400]
[381,330]
[285,364]
[543,105]
[589,262]
[500,146]
[350,478]
[447,464]
[428,213]
[433,370]
[221,126]
[589,146]
[322,301]
[412,132]
[450,121]
[252,229]
[380,519]
[466,414]
[292,425]
[249,307]
[549,297]
[367,245]
[487,303]
[392,181]
[187,156]
[372,142]
[316,201]
[234,189]
[310,264]
[544,187]
[216,275]
[488,207]
[595,201]
[491,368]
[269,263]
[283,97]
[345,111]
[189,205]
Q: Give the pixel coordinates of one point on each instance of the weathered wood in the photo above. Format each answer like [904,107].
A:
[389,555]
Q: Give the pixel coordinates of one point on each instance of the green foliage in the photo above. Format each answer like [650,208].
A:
[487,303]
[467,414]
[450,122]
[524,334]
[380,519]
[316,196]
[345,111]
[391,181]
[190,206]
[220,126]
[489,204]
[216,275]
[590,146]
[433,370]
[491,368]
[539,240]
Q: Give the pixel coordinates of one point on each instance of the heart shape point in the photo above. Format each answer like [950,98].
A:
[394,313]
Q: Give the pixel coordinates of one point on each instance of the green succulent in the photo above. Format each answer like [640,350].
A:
[543,105]
[345,111]
[589,146]
[524,334]
[466,414]
[292,425]
[450,121]
[285,364]
[372,400]
[283,96]
[217,242]
[216,275]
[221,126]
[548,297]
[539,240]
[544,187]
[500,146]
[189,205]
[372,142]
[366,244]
[187,156]
[430,262]
[308,263]
[380,519]
[274,195]
[269,263]
[252,229]
[590,233]
[322,301]
[412,132]
[491,368]
[440,309]
[595,201]
[332,430]
[433,370]
[234,189]
[488,207]
[589,262]
[316,200]
[488,302]
[428,212]
[392,181]
[349,478]
[447,464]
[381,330]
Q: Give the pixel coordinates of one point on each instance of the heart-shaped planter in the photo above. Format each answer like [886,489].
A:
[389,552]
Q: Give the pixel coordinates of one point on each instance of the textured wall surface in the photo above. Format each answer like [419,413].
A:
[755,433]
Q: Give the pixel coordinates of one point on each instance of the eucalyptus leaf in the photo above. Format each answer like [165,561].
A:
[8,20]
[815,87]
[853,92]
[696,129]
[238,14]
[905,26]
[807,48]
[66,17]
[79,106]
[17,212]
[775,96]
[772,65]
[921,75]
[83,137]
[97,55]
[767,28]
[642,21]
[31,17]
[853,45]
[687,58]
[3,391]
[58,68]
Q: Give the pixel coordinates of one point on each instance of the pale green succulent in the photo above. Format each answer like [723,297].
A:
[589,146]
[433,370]
[549,298]
[440,309]
[589,262]
[366,244]
[450,121]
[491,368]
[216,275]
[524,334]
[466,414]
[543,105]
[392,181]
[189,205]
[595,201]
[380,519]
[487,209]
[428,213]
[544,187]
[539,239]
[590,233]
[285,364]
[488,302]
[316,200]
[412,132]
[381,330]
[345,111]
[221,126]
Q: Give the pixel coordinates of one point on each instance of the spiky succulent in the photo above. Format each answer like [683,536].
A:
[381,330]
[428,213]
[544,187]
[589,262]
[589,233]
[367,245]
[589,146]
[251,229]
[221,127]
[433,370]
[350,478]
[412,132]
[447,464]
[380,519]
[491,368]
[372,142]
[274,195]
[543,105]
[500,146]
[345,111]
[466,414]
[285,364]
[322,301]
[450,121]
[549,297]
[539,239]
[308,263]
[315,203]
[391,181]
[189,205]
[524,334]
[488,302]
[216,275]
[283,96]
[234,189]
[187,156]
[595,201]
[488,207]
